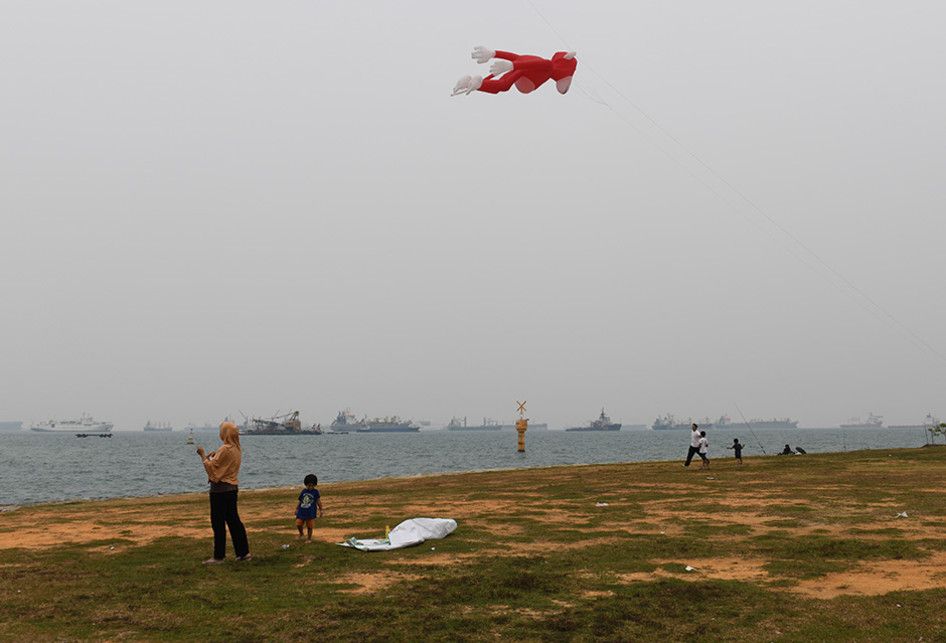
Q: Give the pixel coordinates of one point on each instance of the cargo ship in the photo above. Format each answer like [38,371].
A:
[288,424]
[345,422]
[157,427]
[774,423]
[392,424]
[456,424]
[603,423]
[872,422]
[670,423]
[85,425]
[929,422]
[538,426]
[203,428]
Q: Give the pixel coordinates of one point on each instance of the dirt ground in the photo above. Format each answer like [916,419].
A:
[141,521]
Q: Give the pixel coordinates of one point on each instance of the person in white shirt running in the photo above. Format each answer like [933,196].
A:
[694,444]
[704,450]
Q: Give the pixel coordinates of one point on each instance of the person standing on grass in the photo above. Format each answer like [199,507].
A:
[704,450]
[737,449]
[310,505]
[694,444]
[223,466]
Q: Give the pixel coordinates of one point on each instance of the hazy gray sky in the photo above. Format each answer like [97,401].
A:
[230,205]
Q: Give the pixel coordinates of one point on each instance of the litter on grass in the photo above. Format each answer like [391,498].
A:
[407,534]
[601,504]
[902,514]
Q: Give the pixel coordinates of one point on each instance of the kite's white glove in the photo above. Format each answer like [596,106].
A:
[500,67]
[482,54]
[467,84]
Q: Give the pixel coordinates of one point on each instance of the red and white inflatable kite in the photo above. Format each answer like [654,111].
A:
[527,73]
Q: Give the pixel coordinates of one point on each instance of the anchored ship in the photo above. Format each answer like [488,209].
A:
[158,427]
[774,423]
[456,424]
[203,428]
[288,424]
[930,421]
[670,423]
[345,422]
[538,426]
[872,422]
[392,424]
[603,423]
[85,425]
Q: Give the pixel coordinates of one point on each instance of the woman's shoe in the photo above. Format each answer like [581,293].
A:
[245,558]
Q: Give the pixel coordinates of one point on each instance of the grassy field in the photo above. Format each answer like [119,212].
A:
[793,548]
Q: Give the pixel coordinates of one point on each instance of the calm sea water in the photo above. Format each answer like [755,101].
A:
[42,467]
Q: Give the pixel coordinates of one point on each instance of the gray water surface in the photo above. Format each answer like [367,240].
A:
[38,467]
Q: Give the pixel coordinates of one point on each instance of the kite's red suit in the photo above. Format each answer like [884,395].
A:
[529,72]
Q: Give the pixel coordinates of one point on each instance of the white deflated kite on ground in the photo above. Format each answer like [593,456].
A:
[406,534]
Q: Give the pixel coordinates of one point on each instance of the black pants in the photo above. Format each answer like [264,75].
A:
[692,452]
[223,514]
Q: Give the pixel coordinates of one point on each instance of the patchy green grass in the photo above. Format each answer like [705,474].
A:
[566,570]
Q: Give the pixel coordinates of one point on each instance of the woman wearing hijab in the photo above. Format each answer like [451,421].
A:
[222,467]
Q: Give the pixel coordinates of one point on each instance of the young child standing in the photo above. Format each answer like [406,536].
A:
[704,450]
[737,449]
[310,500]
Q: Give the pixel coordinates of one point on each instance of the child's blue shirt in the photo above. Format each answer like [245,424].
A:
[308,504]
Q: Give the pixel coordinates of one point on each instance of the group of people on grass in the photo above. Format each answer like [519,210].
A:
[223,467]
[699,445]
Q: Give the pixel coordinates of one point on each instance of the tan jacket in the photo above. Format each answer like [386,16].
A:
[223,465]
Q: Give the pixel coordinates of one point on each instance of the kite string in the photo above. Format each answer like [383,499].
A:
[861,297]
[722,197]
[749,426]
[732,206]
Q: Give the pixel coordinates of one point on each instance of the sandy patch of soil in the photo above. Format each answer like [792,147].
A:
[439,559]
[51,535]
[374,582]
[496,527]
[740,569]
[471,507]
[879,578]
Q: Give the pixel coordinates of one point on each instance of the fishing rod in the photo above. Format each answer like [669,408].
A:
[749,426]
